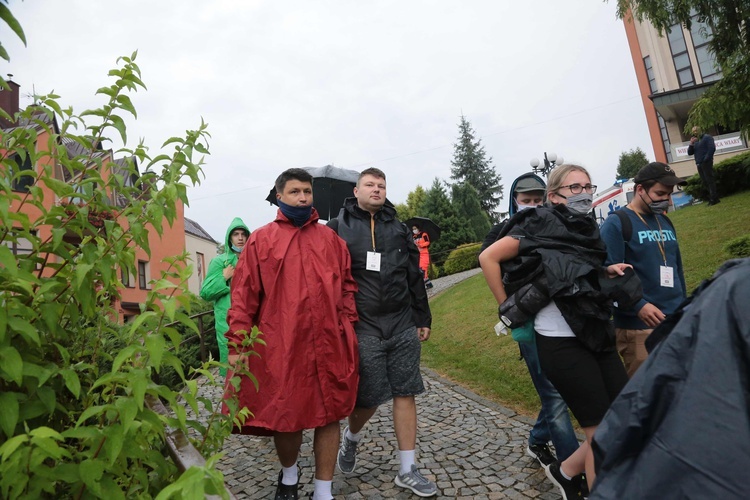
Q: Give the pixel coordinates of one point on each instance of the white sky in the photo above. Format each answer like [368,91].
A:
[357,84]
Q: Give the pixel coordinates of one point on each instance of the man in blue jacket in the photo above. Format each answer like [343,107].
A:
[703,147]
[651,248]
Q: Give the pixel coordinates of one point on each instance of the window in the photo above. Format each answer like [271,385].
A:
[680,56]
[665,137]
[143,275]
[701,34]
[200,263]
[127,278]
[650,73]
[25,180]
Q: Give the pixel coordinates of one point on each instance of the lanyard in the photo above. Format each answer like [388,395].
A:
[372,231]
[659,241]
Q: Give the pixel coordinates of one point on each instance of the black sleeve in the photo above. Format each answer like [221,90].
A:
[691,150]
[492,236]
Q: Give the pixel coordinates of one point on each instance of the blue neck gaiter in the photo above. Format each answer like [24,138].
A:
[298,215]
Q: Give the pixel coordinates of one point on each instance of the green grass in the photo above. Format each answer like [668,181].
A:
[464,348]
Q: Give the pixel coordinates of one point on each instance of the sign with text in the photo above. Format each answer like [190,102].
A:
[722,143]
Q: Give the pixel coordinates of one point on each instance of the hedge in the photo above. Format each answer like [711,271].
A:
[463,258]
[732,176]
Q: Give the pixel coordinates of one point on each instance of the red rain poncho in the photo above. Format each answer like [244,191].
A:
[295,285]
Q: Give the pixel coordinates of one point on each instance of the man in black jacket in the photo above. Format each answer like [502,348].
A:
[394,317]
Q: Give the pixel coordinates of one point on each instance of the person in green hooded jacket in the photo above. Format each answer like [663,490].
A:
[216,286]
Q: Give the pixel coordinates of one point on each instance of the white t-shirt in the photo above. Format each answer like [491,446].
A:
[549,322]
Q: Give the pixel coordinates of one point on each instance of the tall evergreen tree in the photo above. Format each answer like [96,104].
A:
[466,204]
[471,165]
[437,207]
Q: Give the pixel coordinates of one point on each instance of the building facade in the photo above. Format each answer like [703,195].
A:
[202,248]
[673,71]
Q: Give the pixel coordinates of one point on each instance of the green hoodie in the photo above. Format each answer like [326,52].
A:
[216,289]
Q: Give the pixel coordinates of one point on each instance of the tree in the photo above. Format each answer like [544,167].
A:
[467,207]
[74,384]
[437,206]
[414,202]
[471,165]
[630,163]
[725,103]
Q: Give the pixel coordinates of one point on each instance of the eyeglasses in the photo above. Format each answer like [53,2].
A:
[578,189]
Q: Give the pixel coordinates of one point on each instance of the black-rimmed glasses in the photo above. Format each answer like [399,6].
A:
[578,189]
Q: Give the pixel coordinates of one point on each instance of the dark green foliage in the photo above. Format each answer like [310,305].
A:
[470,165]
[739,247]
[468,209]
[732,176]
[630,163]
[463,258]
[437,206]
[74,383]
[725,103]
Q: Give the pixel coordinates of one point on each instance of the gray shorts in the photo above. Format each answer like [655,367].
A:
[388,368]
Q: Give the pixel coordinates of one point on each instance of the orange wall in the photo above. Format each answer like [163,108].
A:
[645,90]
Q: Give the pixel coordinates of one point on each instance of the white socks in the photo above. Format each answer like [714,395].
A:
[407,460]
[322,490]
[353,437]
[290,475]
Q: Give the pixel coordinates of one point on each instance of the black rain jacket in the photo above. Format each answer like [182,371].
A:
[563,253]
[394,299]
[681,427]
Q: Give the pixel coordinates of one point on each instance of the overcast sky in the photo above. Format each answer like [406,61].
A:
[355,84]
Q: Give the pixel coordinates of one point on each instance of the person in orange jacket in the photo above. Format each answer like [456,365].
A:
[422,240]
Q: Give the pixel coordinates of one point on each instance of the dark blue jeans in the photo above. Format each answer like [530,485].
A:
[553,423]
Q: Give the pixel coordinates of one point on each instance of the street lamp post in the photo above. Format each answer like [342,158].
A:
[550,161]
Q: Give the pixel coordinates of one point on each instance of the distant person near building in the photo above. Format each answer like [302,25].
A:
[640,234]
[553,422]
[293,281]
[702,146]
[394,318]
[216,286]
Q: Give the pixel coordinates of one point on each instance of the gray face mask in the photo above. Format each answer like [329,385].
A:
[580,203]
[657,207]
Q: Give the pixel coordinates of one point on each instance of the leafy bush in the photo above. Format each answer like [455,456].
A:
[463,258]
[732,176]
[73,382]
[739,247]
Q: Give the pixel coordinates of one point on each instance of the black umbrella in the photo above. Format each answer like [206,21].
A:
[331,186]
[426,225]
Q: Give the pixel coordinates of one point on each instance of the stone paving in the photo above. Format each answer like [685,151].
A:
[471,447]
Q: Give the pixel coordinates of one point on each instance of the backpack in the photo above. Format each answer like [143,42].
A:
[627,224]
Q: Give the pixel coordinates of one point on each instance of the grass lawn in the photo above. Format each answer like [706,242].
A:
[465,349]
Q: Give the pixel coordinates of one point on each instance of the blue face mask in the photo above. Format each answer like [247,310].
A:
[298,215]
[236,249]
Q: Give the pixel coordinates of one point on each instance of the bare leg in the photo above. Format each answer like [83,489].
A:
[582,460]
[359,418]
[405,422]
[287,446]
[325,447]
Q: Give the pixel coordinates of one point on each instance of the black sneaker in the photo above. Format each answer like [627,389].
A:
[584,486]
[569,488]
[285,491]
[347,457]
[542,453]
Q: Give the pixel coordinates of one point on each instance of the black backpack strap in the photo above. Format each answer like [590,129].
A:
[626,223]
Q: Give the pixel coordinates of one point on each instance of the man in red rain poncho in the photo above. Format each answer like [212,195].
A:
[293,281]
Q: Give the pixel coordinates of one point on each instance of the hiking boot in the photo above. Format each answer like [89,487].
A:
[285,491]
[542,454]
[347,457]
[569,488]
[417,483]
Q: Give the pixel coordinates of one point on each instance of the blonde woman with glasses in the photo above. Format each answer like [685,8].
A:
[557,249]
